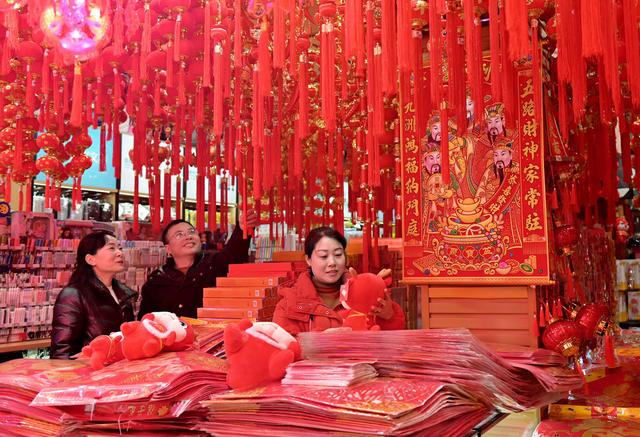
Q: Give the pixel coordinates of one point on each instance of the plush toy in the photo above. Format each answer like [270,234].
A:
[104,350]
[258,353]
[144,339]
[184,331]
[359,294]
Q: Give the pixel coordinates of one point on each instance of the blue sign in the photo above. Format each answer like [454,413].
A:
[93,177]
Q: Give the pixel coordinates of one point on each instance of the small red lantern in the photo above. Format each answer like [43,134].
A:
[78,165]
[594,318]
[49,165]
[78,144]
[566,237]
[6,161]
[564,336]
[48,141]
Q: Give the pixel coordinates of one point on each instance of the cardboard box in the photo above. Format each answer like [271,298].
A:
[249,281]
[239,292]
[218,302]
[234,313]
[261,267]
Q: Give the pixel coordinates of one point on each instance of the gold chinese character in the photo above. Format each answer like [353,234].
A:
[528,89]
[411,187]
[412,207]
[501,199]
[532,197]
[411,166]
[533,222]
[494,208]
[530,128]
[530,148]
[410,123]
[412,229]
[507,190]
[411,146]
[513,179]
[528,109]
[409,107]
[531,173]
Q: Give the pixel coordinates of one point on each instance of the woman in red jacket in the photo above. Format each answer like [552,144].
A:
[313,302]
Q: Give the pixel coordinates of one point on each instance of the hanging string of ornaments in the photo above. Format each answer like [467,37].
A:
[291,99]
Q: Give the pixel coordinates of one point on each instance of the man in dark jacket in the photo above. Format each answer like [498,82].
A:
[177,286]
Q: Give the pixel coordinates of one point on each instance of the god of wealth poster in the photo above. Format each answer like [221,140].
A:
[489,223]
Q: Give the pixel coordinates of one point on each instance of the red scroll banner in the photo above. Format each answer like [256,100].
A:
[489,224]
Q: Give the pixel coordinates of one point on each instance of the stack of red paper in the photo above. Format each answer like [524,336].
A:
[165,389]
[20,381]
[384,406]
[450,356]
[209,338]
[332,373]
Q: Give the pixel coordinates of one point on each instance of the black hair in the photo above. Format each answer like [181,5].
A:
[89,245]
[316,235]
[169,226]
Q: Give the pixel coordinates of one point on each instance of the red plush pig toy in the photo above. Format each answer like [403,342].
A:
[258,353]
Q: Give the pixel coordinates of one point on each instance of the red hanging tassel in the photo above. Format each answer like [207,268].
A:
[632,47]
[157,109]
[264,61]
[389,56]
[217,90]
[182,97]
[178,197]
[7,187]
[494,43]
[212,200]
[76,99]
[292,31]
[279,42]
[136,202]
[609,27]
[166,213]
[206,75]
[177,36]
[303,87]
[349,41]
[145,47]
[435,51]
[547,313]
[582,375]
[405,54]
[200,205]
[444,144]
[609,352]
[117,144]
[517,29]
[591,17]
[169,64]
[360,40]
[536,328]
[474,56]
[103,148]
[29,199]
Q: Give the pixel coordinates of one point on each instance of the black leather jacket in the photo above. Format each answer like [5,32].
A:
[81,314]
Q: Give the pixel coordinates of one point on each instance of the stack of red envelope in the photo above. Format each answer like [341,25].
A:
[332,373]
[209,338]
[164,390]
[383,406]
[515,383]
[20,381]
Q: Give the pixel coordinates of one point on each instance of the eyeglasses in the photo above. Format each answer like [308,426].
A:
[181,234]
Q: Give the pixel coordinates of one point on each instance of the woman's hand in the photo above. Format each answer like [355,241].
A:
[253,219]
[384,309]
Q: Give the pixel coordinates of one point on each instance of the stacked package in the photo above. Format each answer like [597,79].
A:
[387,406]
[161,393]
[510,380]
[250,291]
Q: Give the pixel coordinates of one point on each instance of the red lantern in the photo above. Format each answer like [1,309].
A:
[6,161]
[566,237]
[78,165]
[78,144]
[48,141]
[564,337]
[49,165]
[594,318]
[30,148]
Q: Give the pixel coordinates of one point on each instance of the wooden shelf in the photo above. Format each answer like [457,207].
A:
[24,345]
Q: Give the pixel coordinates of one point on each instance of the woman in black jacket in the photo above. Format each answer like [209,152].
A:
[93,303]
